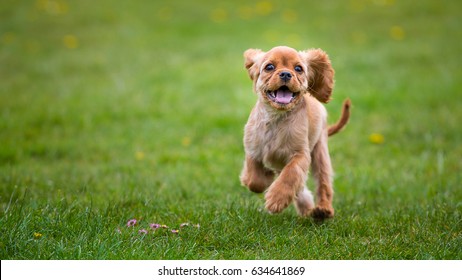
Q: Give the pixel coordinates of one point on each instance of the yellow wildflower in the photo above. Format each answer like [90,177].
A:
[186,141]
[139,155]
[397,33]
[70,41]
[376,138]
[219,15]
[264,8]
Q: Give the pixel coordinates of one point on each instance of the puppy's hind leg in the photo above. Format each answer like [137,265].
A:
[255,176]
[322,171]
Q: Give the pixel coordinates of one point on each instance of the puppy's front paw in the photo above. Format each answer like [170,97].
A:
[278,198]
[321,213]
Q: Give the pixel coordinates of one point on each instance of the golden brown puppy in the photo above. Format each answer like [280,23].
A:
[287,129]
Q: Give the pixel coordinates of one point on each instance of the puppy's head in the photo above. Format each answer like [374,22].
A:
[282,75]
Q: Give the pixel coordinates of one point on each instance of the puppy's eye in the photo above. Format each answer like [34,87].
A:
[299,69]
[269,67]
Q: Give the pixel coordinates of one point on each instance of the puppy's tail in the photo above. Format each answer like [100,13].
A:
[343,119]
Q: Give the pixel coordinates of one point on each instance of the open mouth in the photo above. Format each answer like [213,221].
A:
[282,96]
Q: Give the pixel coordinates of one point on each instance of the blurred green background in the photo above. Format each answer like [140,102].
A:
[113,110]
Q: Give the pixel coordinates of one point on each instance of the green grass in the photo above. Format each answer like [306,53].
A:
[115,110]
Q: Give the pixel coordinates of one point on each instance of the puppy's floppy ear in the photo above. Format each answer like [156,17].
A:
[320,74]
[252,58]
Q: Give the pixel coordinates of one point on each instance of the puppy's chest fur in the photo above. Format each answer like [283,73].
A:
[273,138]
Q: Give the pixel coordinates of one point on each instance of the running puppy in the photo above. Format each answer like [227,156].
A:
[287,130]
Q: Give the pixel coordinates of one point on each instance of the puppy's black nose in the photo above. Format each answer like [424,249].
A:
[285,76]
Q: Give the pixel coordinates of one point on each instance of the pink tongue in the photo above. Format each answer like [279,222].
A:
[283,96]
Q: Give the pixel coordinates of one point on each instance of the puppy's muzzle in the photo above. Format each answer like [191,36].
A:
[285,76]
[282,96]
